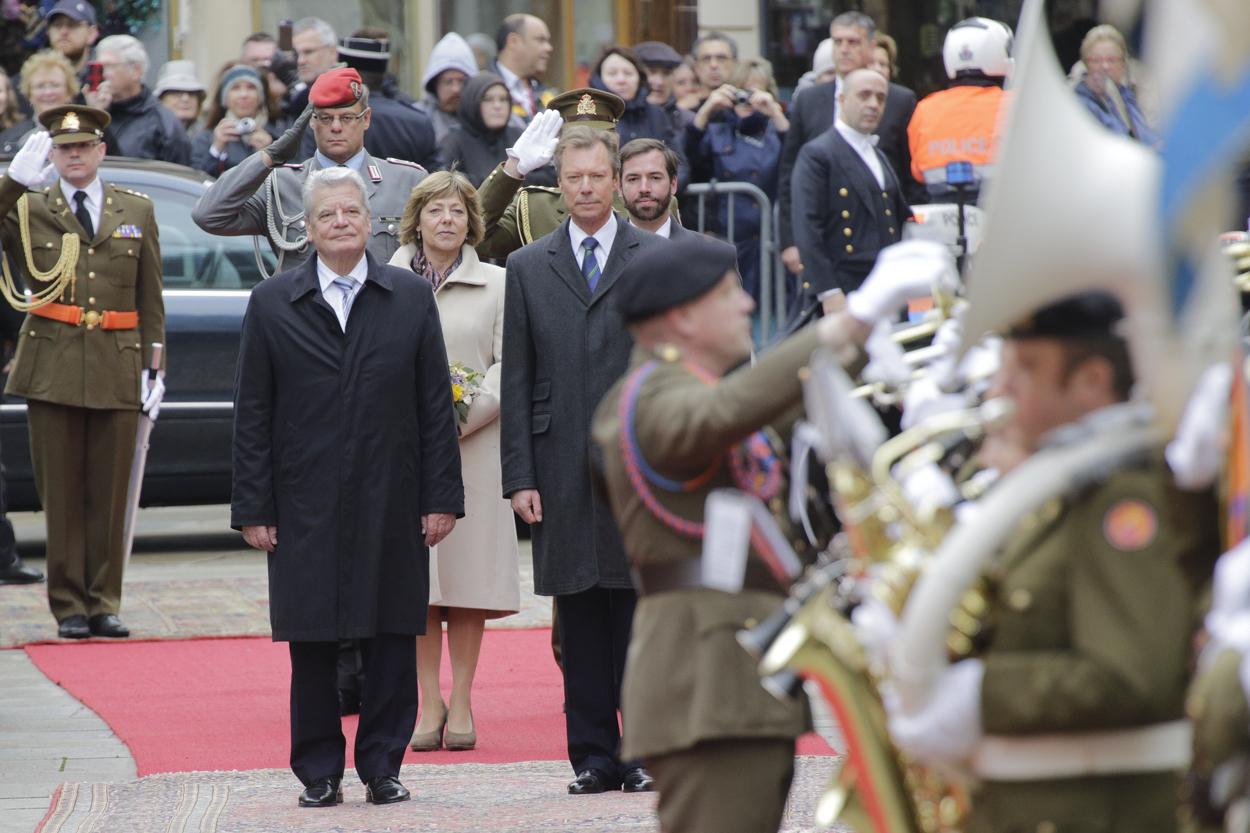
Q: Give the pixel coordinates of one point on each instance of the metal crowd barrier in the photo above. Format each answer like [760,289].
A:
[773,306]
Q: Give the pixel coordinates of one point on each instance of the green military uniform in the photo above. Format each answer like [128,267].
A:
[1093,606]
[81,382]
[719,746]
[515,214]
[1219,778]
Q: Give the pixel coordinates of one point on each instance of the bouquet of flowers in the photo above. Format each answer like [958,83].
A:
[466,384]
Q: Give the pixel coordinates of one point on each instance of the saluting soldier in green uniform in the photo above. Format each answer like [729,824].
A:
[1070,714]
[90,254]
[720,748]
[515,214]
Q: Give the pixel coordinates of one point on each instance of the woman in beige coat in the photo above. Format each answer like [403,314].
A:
[474,571]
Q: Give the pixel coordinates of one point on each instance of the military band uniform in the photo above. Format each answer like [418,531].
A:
[81,383]
[720,747]
[239,203]
[1092,612]
[1218,707]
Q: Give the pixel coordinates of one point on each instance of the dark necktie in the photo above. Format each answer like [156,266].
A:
[83,215]
[590,263]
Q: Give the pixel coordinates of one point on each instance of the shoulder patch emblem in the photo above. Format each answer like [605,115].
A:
[405,162]
[1130,525]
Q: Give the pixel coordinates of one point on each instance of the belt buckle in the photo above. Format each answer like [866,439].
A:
[91,319]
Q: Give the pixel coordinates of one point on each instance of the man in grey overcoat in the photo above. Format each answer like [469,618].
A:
[346,470]
[565,345]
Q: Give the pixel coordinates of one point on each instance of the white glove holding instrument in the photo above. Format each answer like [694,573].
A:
[948,728]
[537,145]
[30,166]
[903,271]
[151,392]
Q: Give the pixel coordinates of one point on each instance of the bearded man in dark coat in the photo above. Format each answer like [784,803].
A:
[346,470]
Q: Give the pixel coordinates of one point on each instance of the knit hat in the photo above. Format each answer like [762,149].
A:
[242,72]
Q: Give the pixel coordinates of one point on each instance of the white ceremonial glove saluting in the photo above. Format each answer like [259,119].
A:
[30,166]
[537,145]
[904,271]
[152,392]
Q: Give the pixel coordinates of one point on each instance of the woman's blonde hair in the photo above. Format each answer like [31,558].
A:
[1104,32]
[49,59]
[436,186]
[749,68]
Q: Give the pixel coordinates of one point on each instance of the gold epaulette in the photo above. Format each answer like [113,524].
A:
[523,210]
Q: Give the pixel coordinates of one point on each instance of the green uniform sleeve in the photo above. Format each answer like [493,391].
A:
[502,236]
[1126,612]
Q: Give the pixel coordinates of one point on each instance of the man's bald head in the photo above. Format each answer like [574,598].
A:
[862,99]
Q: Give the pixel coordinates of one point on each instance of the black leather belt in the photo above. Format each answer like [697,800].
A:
[687,574]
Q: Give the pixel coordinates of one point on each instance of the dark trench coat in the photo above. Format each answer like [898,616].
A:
[343,441]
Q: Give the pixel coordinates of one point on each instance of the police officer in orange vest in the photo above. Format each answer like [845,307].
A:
[960,123]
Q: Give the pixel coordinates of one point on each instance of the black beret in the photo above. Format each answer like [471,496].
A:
[1087,315]
[657,54]
[672,274]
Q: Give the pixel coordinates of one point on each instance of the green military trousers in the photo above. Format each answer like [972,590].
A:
[82,459]
[723,785]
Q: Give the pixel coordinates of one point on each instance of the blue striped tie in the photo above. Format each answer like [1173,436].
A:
[347,286]
[590,263]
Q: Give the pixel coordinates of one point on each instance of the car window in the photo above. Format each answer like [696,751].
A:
[194,259]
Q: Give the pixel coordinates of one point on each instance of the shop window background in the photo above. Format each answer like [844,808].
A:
[347,17]
[793,28]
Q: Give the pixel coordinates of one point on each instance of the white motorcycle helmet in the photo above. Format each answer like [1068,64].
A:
[978,45]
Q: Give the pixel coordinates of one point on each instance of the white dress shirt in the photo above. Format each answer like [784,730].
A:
[664,231]
[866,147]
[606,236]
[94,201]
[520,90]
[332,294]
[837,99]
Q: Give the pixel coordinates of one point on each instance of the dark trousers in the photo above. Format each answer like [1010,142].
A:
[594,636]
[388,708]
[82,460]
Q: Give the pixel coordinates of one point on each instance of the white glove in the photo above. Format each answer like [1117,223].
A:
[537,145]
[151,392]
[1228,622]
[887,360]
[1198,449]
[875,626]
[903,271]
[30,165]
[948,728]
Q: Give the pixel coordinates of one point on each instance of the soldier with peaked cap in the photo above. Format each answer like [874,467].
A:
[1069,711]
[89,252]
[679,425]
[515,214]
[261,195]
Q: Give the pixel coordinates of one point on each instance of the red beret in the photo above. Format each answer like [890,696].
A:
[337,88]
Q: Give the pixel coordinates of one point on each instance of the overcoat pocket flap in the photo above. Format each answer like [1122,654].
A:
[540,424]
[542,390]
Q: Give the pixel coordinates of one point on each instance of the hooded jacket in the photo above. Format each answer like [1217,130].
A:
[452,52]
[474,148]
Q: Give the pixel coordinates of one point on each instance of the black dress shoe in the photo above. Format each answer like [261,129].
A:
[73,627]
[323,792]
[15,572]
[638,781]
[107,624]
[590,782]
[385,789]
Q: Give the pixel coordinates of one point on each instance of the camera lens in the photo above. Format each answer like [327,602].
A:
[245,125]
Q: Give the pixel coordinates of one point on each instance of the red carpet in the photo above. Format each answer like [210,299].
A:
[222,704]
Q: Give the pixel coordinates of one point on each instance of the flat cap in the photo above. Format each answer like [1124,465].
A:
[657,54]
[79,10]
[593,108]
[1087,315]
[339,87]
[74,123]
[365,54]
[672,274]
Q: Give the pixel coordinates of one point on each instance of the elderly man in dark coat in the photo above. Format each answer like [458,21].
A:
[565,344]
[346,469]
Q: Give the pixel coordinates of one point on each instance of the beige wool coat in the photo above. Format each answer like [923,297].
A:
[476,566]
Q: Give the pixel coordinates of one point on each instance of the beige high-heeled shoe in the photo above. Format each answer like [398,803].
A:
[461,741]
[429,741]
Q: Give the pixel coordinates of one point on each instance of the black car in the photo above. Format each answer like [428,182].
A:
[207,281]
